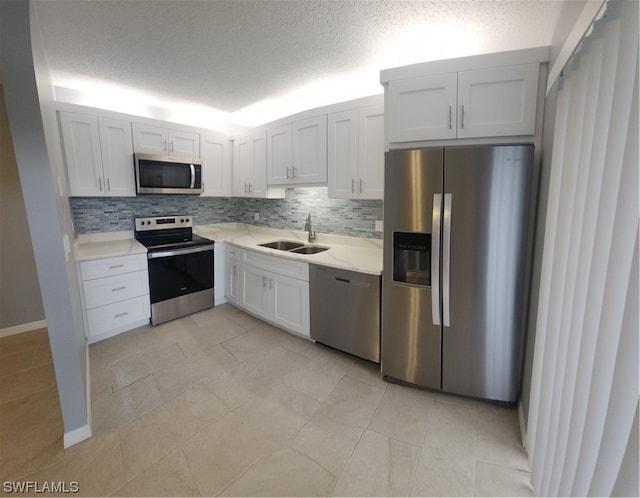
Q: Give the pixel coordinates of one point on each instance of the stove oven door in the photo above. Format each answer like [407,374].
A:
[180,282]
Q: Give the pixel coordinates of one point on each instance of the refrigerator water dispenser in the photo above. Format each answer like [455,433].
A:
[412,258]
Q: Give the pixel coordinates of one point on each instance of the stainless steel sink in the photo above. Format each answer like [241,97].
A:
[309,250]
[290,246]
[282,245]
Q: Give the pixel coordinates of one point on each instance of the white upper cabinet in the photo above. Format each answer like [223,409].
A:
[279,155]
[356,153]
[165,141]
[493,102]
[423,108]
[498,102]
[371,152]
[99,155]
[117,156]
[250,167]
[297,152]
[216,151]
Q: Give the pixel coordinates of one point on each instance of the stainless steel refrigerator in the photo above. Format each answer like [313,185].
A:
[456,267]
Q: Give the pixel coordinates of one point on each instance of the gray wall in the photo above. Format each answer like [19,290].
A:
[33,122]
[331,216]
[20,301]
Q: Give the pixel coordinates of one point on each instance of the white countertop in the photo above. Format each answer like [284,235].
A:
[349,253]
[106,245]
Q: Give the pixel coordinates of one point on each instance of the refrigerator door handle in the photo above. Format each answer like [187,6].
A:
[446,261]
[435,259]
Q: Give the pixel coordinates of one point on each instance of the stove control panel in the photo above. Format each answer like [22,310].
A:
[163,222]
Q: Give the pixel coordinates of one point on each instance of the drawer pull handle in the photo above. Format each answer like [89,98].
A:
[113,267]
[119,288]
[120,315]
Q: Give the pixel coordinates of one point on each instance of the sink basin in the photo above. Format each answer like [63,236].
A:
[309,250]
[282,245]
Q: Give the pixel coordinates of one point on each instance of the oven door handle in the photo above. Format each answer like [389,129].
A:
[179,252]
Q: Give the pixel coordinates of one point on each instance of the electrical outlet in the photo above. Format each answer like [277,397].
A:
[256,216]
[379,226]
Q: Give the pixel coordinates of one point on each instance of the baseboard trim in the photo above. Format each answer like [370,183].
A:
[523,425]
[77,435]
[25,327]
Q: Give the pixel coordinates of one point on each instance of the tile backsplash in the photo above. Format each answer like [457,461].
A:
[332,216]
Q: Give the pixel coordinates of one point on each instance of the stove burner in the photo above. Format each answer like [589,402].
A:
[157,233]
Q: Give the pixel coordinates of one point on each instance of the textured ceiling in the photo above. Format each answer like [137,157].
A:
[234,55]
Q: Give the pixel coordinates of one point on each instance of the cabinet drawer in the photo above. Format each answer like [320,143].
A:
[282,266]
[118,316]
[107,267]
[101,291]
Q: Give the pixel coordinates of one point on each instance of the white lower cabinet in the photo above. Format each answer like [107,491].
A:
[115,295]
[271,288]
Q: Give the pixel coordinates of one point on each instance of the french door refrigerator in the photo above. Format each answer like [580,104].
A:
[456,260]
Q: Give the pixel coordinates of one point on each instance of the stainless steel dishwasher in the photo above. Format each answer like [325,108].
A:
[345,310]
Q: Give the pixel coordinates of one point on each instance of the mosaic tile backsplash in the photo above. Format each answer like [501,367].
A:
[332,216]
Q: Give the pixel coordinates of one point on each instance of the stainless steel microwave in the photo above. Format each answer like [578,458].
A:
[167,175]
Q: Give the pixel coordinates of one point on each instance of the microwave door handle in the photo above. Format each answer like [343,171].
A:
[193,175]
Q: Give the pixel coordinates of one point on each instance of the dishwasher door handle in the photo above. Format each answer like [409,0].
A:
[345,280]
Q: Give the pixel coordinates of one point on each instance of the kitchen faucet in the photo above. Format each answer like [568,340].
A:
[307,227]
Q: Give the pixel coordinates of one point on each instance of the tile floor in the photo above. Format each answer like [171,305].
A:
[219,403]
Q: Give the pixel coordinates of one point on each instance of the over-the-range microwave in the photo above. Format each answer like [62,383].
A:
[157,174]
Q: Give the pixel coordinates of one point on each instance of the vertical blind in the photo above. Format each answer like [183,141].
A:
[584,398]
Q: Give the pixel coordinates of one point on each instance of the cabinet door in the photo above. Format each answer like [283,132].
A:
[371,152]
[254,292]
[117,317]
[310,150]
[101,291]
[498,102]
[242,165]
[150,139]
[117,157]
[422,108]
[258,177]
[279,155]
[81,143]
[216,165]
[342,154]
[184,144]
[290,298]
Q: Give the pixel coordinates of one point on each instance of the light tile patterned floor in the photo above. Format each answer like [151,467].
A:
[219,403]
